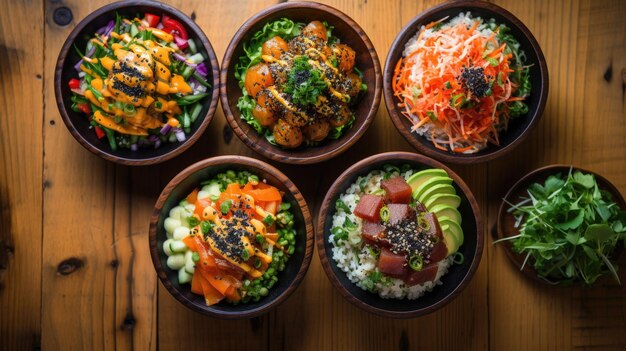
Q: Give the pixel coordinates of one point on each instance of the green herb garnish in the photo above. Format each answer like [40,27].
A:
[304,82]
[268,220]
[225,206]
[569,229]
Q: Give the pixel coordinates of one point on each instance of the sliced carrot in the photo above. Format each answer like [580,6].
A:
[247,187]
[272,236]
[267,194]
[191,243]
[216,281]
[200,205]
[233,189]
[211,295]
[232,294]
[196,284]
[206,261]
[439,58]
[272,207]
[191,198]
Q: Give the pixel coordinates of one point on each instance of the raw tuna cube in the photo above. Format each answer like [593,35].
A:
[398,212]
[433,225]
[373,234]
[397,190]
[392,264]
[439,252]
[369,207]
[427,274]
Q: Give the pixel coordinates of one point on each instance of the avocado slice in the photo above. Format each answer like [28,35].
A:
[449,239]
[444,210]
[453,228]
[417,193]
[435,190]
[420,177]
[445,199]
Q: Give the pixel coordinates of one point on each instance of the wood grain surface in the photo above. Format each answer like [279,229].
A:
[75,269]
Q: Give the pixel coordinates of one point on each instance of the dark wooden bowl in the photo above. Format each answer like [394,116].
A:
[519,128]
[349,32]
[181,185]
[506,221]
[458,276]
[78,124]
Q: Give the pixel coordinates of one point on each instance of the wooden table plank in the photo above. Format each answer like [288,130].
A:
[93,224]
[583,125]
[21,159]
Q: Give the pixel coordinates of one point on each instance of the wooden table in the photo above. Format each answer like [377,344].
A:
[75,270]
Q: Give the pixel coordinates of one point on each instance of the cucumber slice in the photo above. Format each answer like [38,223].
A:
[166,247]
[190,208]
[203,194]
[190,265]
[213,188]
[175,212]
[184,277]
[196,58]
[170,224]
[180,233]
[176,262]
[192,46]
[178,246]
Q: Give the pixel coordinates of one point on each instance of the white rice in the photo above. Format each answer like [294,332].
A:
[356,259]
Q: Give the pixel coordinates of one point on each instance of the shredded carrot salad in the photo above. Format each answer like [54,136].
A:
[455,83]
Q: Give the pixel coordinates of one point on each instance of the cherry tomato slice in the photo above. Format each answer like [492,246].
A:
[99,132]
[74,83]
[152,20]
[84,108]
[175,28]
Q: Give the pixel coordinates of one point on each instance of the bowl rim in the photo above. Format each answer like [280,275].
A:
[533,117]
[248,163]
[325,210]
[266,149]
[109,154]
[542,172]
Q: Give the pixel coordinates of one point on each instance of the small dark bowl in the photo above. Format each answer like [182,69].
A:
[506,221]
[458,275]
[179,187]
[519,128]
[78,124]
[349,32]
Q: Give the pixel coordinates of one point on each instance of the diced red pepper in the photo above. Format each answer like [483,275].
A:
[427,274]
[74,83]
[397,212]
[174,27]
[369,207]
[392,264]
[99,132]
[152,19]
[397,190]
[84,108]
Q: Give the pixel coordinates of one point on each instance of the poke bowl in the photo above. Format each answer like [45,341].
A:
[465,82]
[399,234]
[231,237]
[301,82]
[136,82]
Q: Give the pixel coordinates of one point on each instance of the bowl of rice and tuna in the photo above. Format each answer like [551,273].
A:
[399,234]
